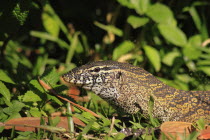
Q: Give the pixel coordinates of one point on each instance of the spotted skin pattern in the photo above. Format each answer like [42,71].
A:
[130,88]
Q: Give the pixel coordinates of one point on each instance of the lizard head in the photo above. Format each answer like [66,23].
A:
[113,81]
[99,76]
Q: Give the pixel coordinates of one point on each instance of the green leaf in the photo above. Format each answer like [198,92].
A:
[14,108]
[50,76]
[175,84]
[201,123]
[136,125]
[195,41]
[47,36]
[119,136]
[106,122]
[169,58]
[191,52]
[126,3]
[31,97]
[4,77]
[173,34]
[14,115]
[183,77]
[153,56]
[205,69]
[13,14]
[195,16]
[161,14]
[20,12]
[82,118]
[38,89]
[35,112]
[192,49]
[88,127]
[110,28]
[56,121]
[4,91]
[203,63]
[136,22]
[75,45]
[122,49]
[49,21]
[55,99]
[3,116]
[96,126]
[141,6]
[88,116]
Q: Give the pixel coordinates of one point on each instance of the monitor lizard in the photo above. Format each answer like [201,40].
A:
[129,88]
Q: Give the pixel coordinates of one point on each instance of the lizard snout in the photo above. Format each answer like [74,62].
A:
[67,77]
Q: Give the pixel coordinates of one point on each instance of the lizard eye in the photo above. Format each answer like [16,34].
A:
[97,69]
[118,75]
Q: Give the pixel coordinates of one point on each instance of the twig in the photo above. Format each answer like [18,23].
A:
[205,43]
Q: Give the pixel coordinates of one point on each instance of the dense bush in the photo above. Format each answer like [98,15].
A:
[48,38]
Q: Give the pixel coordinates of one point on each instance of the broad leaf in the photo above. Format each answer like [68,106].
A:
[50,76]
[195,41]
[4,77]
[123,48]
[169,58]
[14,108]
[136,22]
[192,49]
[49,22]
[153,56]
[35,112]
[140,6]
[205,69]
[5,91]
[161,14]
[30,96]
[143,6]
[126,3]
[173,34]
[191,52]
[38,89]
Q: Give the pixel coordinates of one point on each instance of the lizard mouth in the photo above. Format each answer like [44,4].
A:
[69,78]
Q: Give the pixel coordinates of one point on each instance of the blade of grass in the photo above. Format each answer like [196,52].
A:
[88,127]
[47,36]
[60,23]
[195,16]
[109,28]
[70,120]
[72,47]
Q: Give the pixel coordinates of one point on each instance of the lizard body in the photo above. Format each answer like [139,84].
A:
[129,88]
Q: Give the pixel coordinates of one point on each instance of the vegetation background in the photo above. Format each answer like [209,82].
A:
[169,38]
